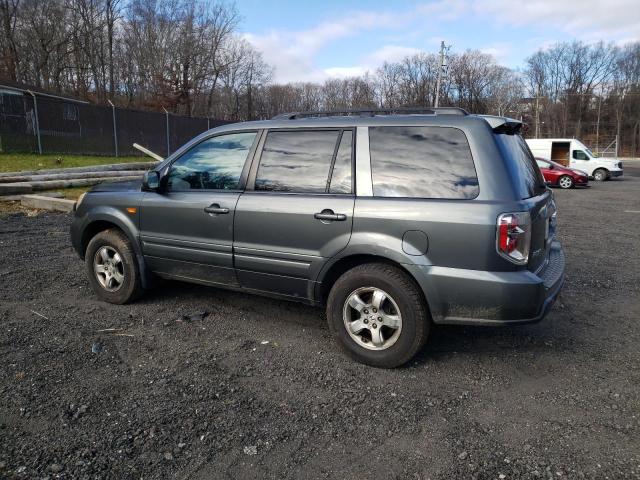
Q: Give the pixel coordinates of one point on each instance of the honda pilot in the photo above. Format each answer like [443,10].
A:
[392,220]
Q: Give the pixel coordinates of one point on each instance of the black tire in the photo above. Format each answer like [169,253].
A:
[600,175]
[131,287]
[563,183]
[416,321]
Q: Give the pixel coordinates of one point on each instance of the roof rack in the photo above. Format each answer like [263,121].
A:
[370,112]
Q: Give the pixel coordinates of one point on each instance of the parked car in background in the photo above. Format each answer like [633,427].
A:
[392,220]
[573,154]
[559,176]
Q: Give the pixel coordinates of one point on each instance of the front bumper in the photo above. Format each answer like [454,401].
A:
[616,173]
[472,297]
[581,180]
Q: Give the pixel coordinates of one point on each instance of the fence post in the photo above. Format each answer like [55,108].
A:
[208,123]
[168,145]
[115,132]
[35,108]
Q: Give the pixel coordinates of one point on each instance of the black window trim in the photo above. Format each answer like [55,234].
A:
[257,159]
[473,163]
[243,174]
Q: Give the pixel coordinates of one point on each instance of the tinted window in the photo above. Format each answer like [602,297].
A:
[423,162]
[296,161]
[526,175]
[215,164]
[341,176]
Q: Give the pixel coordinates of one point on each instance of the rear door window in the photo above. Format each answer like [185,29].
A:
[306,161]
[422,162]
[526,175]
[296,161]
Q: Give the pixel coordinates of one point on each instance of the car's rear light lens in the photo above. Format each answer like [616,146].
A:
[513,236]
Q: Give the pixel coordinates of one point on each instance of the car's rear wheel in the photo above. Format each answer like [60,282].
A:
[565,181]
[112,267]
[600,175]
[378,314]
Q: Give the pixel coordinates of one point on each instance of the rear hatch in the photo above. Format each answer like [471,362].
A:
[530,186]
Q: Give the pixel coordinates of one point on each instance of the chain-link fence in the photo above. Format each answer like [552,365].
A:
[40,124]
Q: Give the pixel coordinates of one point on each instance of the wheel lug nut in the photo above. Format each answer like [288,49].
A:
[379,319]
[366,320]
[374,325]
[366,311]
[375,310]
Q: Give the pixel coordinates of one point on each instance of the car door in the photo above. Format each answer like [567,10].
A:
[186,228]
[297,210]
[580,160]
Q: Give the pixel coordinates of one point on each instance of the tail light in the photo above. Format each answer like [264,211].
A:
[513,236]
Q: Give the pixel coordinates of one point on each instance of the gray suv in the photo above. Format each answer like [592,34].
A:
[393,220]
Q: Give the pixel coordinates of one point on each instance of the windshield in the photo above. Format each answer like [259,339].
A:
[522,165]
[590,153]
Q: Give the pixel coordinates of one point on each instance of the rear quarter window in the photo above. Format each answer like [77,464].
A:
[527,178]
[422,162]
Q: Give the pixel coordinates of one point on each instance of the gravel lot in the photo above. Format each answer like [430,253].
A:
[168,397]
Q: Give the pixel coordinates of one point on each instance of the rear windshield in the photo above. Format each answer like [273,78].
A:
[522,166]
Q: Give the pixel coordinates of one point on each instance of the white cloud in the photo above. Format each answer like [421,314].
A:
[500,51]
[588,20]
[293,53]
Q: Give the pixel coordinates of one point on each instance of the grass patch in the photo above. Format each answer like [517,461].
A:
[15,162]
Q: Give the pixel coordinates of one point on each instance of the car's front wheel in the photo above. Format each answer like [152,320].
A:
[600,175]
[378,315]
[112,267]
[565,181]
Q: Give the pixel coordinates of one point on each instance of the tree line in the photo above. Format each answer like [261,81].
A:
[188,56]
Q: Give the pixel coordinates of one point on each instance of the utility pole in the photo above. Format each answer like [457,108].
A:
[598,127]
[441,67]
[537,114]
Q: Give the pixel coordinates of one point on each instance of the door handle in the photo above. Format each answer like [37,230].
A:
[329,215]
[215,208]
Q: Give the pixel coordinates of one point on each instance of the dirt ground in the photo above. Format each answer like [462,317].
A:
[259,389]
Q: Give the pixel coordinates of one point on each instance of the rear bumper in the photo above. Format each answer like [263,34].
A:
[471,297]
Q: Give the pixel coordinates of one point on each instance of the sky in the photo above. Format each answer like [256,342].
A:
[313,40]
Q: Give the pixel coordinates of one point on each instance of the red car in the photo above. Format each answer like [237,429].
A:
[561,176]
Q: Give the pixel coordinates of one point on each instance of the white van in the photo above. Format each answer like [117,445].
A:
[574,154]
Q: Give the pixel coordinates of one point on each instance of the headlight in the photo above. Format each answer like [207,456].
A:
[80,199]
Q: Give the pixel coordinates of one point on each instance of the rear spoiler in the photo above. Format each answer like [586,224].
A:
[503,124]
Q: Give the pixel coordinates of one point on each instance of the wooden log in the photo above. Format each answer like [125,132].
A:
[80,182]
[92,168]
[15,188]
[69,176]
[21,188]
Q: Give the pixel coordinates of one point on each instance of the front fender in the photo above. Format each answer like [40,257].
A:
[84,222]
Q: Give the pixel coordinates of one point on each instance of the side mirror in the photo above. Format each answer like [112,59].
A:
[151,181]
[551,167]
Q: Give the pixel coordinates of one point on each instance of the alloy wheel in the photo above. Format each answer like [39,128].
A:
[372,318]
[108,268]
